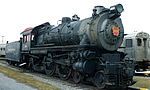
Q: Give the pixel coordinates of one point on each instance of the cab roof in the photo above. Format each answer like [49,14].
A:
[27,31]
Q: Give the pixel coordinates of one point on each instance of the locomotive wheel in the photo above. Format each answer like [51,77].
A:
[77,77]
[49,68]
[99,79]
[64,72]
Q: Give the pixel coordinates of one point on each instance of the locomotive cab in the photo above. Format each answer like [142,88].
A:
[26,40]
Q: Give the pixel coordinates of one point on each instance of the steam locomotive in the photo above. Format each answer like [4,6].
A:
[83,50]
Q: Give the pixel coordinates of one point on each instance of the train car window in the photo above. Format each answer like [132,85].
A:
[149,43]
[139,42]
[128,43]
[1,49]
[144,40]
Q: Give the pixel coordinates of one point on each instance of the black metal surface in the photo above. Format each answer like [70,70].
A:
[13,51]
[85,66]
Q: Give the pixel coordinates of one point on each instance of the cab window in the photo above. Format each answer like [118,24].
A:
[32,37]
[24,38]
[28,37]
[128,43]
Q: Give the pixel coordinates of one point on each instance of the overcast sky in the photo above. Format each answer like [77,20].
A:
[16,15]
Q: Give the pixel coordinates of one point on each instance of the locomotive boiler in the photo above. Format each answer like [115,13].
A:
[104,30]
[83,50]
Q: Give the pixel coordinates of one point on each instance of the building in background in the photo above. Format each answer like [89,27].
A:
[2,50]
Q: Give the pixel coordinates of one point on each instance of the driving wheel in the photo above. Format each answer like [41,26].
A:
[64,72]
[100,79]
[77,77]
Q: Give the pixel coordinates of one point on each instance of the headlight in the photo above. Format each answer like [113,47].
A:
[118,8]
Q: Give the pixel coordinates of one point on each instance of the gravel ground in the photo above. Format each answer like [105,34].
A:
[11,84]
[63,85]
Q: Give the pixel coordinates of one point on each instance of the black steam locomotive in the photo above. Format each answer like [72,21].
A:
[84,50]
